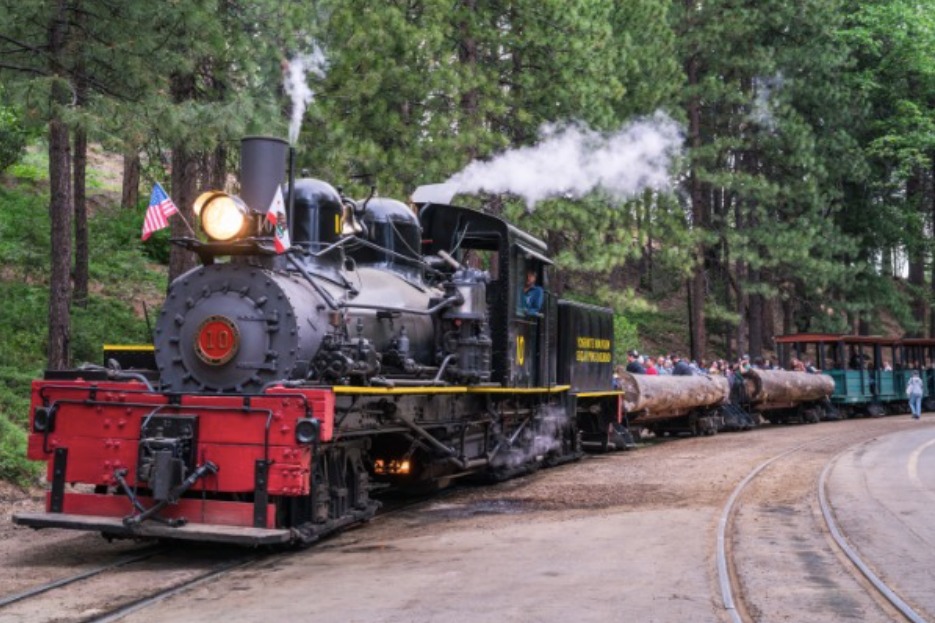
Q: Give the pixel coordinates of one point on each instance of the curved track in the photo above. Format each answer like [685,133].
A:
[854,556]
[778,556]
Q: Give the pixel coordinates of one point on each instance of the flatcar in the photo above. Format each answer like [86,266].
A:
[782,396]
[675,404]
[390,346]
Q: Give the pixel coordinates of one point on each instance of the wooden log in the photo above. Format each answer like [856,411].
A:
[650,397]
[781,389]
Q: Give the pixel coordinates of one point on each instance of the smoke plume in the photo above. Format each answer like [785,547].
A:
[766,88]
[294,73]
[573,160]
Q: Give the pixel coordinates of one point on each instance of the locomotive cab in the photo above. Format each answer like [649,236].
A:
[484,241]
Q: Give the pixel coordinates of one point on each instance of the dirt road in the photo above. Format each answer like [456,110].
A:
[613,537]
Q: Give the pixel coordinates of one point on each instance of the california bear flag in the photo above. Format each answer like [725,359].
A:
[276,215]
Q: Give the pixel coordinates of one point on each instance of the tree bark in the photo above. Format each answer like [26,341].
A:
[779,388]
[130,191]
[468,59]
[915,197]
[697,288]
[755,320]
[184,180]
[932,200]
[79,178]
[216,174]
[661,397]
[60,205]
[82,252]
[60,215]
[184,189]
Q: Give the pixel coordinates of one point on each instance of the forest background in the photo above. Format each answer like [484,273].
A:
[803,198]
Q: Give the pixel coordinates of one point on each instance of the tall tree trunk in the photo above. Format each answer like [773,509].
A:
[769,321]
[697,285]
[60,215]
[60,206]
[130,188]
[79,178]
[932,200]
[755,320]
[788,315]
[739,279]
[915,191]
[216,174]
[184,183]
[82,254]
[468,59]
[184,193]
[648,253]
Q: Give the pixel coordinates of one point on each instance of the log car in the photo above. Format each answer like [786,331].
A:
[675,404]
[780,396]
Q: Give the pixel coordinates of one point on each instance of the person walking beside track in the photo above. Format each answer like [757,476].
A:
[914,392]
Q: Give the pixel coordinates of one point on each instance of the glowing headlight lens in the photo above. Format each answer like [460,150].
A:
[223,217]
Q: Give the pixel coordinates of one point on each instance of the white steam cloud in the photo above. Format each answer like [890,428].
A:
[766,88]
[572,161]
[294,73]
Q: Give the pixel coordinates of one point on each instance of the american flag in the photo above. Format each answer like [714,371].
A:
[160,209]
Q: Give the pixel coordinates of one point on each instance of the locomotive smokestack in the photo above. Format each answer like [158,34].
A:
[262,169]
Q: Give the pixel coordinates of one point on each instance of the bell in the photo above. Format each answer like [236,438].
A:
[349,224]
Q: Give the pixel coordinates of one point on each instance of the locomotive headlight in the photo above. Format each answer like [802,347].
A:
[43,420]
[223,217]
[307,430]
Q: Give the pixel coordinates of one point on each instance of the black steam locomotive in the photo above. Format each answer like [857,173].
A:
[389,346]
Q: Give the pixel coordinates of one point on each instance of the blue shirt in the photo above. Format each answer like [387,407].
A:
[532,300]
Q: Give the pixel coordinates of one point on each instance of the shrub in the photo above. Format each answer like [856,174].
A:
[12,136]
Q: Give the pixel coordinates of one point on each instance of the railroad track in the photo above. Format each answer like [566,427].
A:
[736,598]
[158,572]
[84,575]
[150,565]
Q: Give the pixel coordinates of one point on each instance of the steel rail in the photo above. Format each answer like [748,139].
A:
[723,572]
[43,588]
[839,539]
[121,611]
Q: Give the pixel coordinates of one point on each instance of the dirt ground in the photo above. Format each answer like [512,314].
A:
[625,535]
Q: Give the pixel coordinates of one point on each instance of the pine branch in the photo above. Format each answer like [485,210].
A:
[27,70]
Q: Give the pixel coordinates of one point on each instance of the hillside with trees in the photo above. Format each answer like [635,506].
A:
[802,197]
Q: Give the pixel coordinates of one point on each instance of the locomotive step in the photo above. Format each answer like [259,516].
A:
[193,532]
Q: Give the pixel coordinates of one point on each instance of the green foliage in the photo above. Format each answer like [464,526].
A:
[24,238]
[12,134]
[113,313]
[22,353]
[14,467]
[33,167]
[626,336]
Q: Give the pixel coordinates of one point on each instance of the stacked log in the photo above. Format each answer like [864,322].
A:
[778,389]
[650,397]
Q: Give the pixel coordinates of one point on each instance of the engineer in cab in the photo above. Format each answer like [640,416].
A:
[532,294]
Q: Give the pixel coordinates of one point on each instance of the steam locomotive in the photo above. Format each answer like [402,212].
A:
[388,347]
